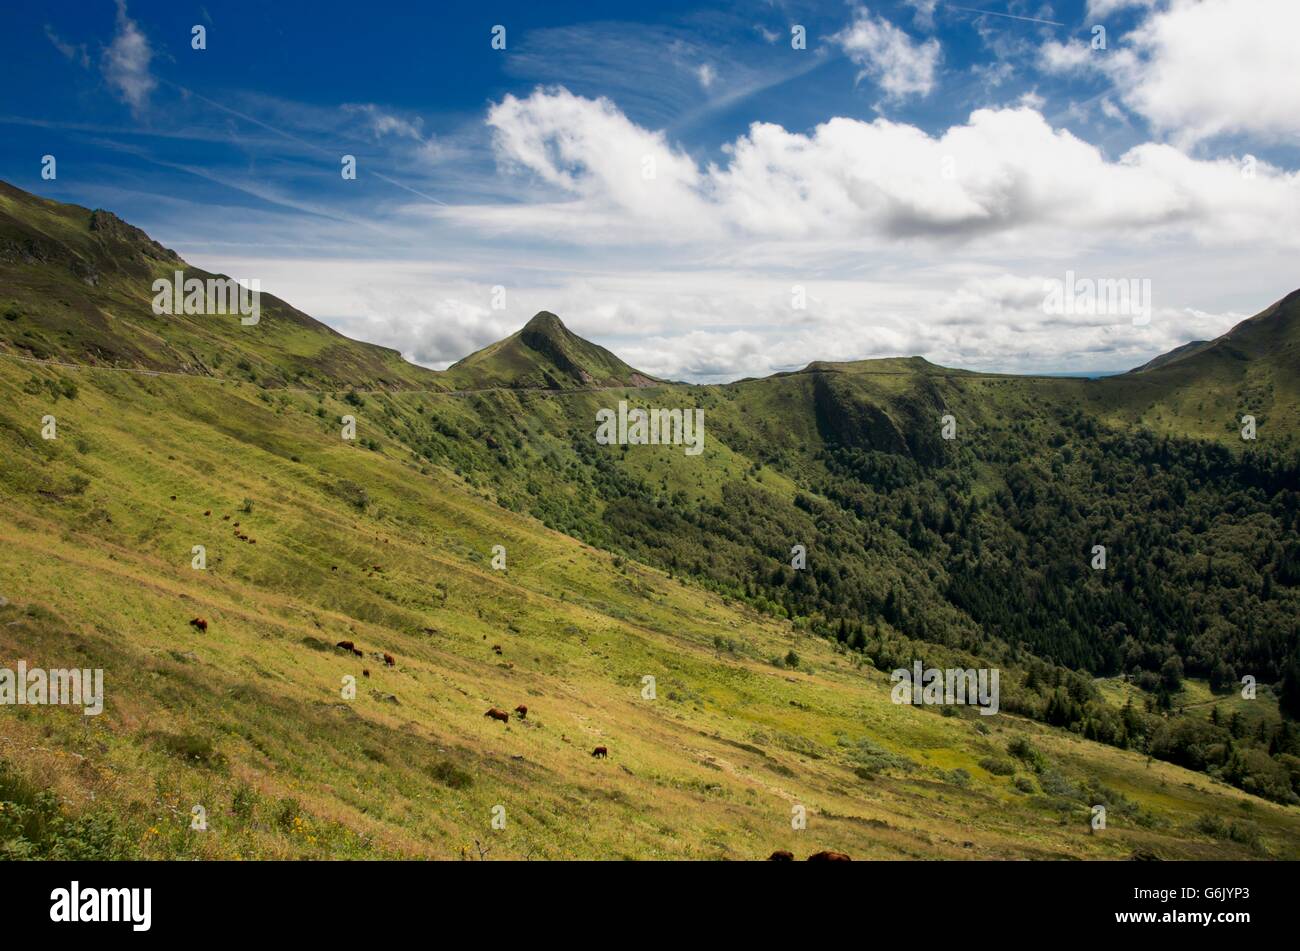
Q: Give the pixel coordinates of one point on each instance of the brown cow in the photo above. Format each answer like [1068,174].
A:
[208,512]
[199,623]
[600,752]
[496,714]
[346,645]
[496,648]
[388,660]
[829,857]
[365,672]
[781,855]
[522,711]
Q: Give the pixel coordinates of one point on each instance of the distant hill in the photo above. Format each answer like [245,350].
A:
[545,354]
[1186,350]
[1203,388]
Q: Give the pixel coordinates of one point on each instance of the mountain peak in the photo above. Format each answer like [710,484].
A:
[546,322]
[545,354]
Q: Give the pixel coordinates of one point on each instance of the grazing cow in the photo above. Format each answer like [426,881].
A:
[225,518]
[496,714]
[334,567]
[496,649]
[388,660]
[365,672]
[208,512]
[346,645]
[781,855]
[173,498]
[522,711]
[600,752]
[829,857]
[199,623]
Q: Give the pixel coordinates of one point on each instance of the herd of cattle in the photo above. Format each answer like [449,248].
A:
[781,855]
[600,752]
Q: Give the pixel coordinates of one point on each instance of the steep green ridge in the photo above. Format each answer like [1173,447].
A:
[1204,389]
[626,562]
[76,286]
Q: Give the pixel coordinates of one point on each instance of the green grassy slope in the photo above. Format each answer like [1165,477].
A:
[1203,390]
[387,541]
[76,286]
[247,718]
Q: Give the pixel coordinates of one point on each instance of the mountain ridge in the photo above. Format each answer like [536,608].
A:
[97,248]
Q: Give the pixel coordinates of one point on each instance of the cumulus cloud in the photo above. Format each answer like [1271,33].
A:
[1005,174]
[126,62]
[901,66]
[588,148]
[1195,69]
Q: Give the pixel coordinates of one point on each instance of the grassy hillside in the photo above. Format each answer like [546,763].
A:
[622,562]
[1204,389]
[76,286]
[247,718]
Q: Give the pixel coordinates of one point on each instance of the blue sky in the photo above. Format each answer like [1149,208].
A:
[681,184]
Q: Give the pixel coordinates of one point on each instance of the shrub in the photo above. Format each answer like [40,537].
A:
[1024,751]
[33,825]
[194,749]
[998,765]
[243,803]
[450,775]
[286,811]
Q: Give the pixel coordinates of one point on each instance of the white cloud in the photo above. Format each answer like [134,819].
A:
[1101,8]
[126,62]
[1013,178]
[588,148]
[1195,69]
[1057,57]
[901,66]
[73,52]
[1110,110]
[381,123]
[923,18]
[707,75]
